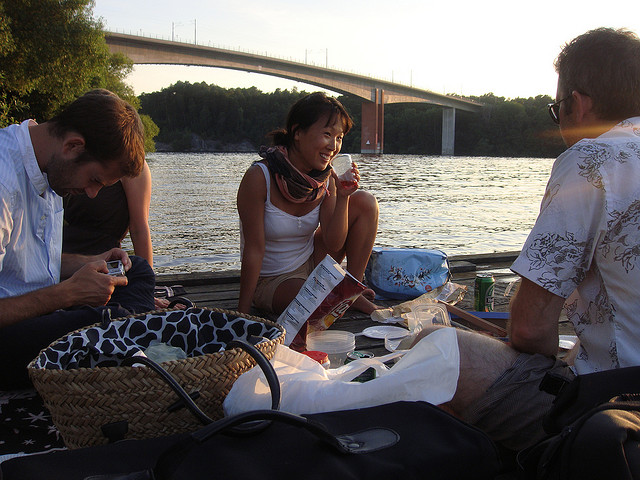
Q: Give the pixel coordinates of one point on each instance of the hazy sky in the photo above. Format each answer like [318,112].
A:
[455,46]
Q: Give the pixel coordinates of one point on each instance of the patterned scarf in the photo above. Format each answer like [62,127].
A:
[294,185]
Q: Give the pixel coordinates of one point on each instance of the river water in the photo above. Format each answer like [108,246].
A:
[461,205]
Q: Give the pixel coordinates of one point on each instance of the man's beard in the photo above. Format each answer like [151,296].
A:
[61,174]
[56,170]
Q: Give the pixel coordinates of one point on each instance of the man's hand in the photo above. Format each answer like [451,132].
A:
[72,262]
[92,286]
[116,254]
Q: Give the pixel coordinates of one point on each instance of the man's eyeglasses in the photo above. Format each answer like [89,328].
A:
[554,110]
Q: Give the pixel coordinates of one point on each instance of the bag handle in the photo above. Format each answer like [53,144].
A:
[348,443]
[365,441]
[187,400]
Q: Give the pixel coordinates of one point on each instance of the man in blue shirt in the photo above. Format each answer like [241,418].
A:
[45,294]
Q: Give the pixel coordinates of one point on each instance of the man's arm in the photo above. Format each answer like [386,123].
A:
[88,286]
[535,312]
[33,304]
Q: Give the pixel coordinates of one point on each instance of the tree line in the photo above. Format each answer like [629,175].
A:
[203,117]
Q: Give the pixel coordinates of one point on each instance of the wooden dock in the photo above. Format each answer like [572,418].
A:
[221,290]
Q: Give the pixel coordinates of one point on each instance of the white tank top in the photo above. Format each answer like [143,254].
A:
[288,239]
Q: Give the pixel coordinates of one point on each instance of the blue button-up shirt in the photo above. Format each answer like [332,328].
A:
[30,218]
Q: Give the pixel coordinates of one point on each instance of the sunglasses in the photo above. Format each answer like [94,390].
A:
[554,110]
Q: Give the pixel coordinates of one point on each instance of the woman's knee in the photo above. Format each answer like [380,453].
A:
[364,203]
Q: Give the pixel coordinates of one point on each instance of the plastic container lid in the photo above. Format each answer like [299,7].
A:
[331,341]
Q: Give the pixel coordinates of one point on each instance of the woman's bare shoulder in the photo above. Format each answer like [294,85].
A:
[254,181]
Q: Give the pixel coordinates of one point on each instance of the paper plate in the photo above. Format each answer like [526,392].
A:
[566,342]
[381,331]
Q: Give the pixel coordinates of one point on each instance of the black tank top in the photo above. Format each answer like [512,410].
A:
[95,225]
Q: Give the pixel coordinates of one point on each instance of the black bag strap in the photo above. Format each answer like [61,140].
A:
[173,301]
[266,367]
[186,400]
[365,441]
[540,460]
[170,461]
[586,391]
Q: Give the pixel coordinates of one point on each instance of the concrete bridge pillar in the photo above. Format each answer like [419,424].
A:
[372,128]
[448,130]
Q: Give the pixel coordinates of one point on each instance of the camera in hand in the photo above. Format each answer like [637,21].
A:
[116,268]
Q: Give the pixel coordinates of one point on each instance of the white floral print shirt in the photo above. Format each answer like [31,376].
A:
[585,245]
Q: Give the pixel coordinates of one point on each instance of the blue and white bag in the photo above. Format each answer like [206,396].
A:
[405,273]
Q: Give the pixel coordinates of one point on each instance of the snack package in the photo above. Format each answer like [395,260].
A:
[325,297]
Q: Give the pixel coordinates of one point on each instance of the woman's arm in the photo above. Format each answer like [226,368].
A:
[334,213]
[138,191]
[252,195]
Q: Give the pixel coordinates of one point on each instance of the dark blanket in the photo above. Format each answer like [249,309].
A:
[25,425]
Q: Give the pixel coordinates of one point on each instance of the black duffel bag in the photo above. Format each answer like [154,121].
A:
[407,440]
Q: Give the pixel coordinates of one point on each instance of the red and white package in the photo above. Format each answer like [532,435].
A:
[325,297]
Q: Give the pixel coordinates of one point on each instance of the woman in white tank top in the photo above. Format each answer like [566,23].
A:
[293,212]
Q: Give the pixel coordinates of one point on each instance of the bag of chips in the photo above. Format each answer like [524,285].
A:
[325,297]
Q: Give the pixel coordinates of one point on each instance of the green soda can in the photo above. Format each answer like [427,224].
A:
[483,292]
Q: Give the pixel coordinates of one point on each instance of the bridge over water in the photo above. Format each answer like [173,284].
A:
[375,93]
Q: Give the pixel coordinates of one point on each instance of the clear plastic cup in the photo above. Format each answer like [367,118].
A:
[426,315]
[343,165]
[393,340]
[335,343]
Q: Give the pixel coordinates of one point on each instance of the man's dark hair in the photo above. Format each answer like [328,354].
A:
[111,128]
[605,65]
[307,111]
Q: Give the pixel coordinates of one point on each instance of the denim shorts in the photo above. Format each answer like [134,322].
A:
[512,409]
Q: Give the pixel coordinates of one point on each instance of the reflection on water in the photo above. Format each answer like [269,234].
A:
[460,205]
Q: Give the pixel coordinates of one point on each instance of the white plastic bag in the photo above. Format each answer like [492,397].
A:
[428,372]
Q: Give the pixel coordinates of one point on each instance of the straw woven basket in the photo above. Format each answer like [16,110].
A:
[82,400]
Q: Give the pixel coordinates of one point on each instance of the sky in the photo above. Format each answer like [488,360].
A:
[460,47]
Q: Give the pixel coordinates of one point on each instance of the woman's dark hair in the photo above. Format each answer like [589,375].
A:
[605,65]
[307,111]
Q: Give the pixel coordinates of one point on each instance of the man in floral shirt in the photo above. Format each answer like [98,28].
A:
[583,253]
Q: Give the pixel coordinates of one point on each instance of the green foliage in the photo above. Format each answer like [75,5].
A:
[509,128]
[53,51]
[112,76]
[56,52]
[151,131]
[225,117]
